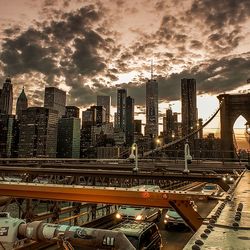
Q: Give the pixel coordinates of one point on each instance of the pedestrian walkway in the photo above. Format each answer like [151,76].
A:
[228,225]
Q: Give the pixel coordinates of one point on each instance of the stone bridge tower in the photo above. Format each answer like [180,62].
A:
[232,107]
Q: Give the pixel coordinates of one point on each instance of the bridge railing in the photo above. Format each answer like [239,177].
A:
[197,155]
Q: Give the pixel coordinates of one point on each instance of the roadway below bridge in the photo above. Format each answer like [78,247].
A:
[177,237]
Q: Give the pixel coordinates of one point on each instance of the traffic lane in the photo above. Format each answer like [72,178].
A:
[177,237]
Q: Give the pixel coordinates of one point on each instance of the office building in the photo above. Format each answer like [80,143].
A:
[72,111]
[101,135]
[105,101]
[121,109]
[6,97]
[168,126]
[188,105]
[55,98]
[151,128]
[129,118]
[138,126]
[21,104]
[38,132]
[68,142]
[6,135]
[100,114]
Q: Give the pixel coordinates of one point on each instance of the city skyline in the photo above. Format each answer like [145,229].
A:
[107,49]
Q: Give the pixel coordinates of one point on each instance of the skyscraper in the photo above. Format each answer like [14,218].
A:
[38,132]
[105,101]
[55,98]
[72,111]
[169,129]
[121,108]
[6,134]
[137,126]
[21,104]
[129,130]
[68,142]
[188,105]
[151,128]
[100,114]
[6,98]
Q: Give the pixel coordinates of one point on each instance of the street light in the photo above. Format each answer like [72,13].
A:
[134,157]
[158,141]
[188,158]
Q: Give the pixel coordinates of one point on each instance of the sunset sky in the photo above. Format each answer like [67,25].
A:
[89,48]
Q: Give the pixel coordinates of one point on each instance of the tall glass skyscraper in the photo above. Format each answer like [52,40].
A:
[55,98]
[188,105]
[38,132]
[151,128]
[105,101]
[121,108]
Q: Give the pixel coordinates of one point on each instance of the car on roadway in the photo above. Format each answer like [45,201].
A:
[143,235]
[172,218]
[210,189]
[137,212]
[228,179]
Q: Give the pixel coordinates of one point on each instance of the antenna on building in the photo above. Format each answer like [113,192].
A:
[152,69]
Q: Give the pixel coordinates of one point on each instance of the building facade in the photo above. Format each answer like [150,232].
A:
[105,101]
[38,133]
[68,142]
[188,105]
[121,109]
[21,104]
[151,128]
[129,129]
[6,97]
[72,111]
[6,135]
[55,98]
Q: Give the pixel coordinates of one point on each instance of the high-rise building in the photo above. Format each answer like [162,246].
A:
[129,130]
[151,128]
[55,98]
[38,132]
[105,101]
[21,104]
[121,108]
[6,98]
[169,126]
[68,142]
[93,116]
[6,135]
[100,114]
[138,125]
[72,111]
[188,105]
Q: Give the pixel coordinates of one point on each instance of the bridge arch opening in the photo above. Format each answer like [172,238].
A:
[239,132]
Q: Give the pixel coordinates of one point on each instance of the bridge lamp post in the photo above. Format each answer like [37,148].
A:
[188,158]
[134,157]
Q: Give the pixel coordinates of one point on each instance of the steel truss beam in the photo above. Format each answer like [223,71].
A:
[92,175]
[107,195]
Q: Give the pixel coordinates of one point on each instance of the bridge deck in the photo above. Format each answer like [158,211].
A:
[227,231]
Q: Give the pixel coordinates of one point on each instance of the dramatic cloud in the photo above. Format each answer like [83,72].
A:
[91,48]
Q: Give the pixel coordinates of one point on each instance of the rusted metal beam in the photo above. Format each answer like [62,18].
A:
[104,195]
[188,214]
[107,195]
